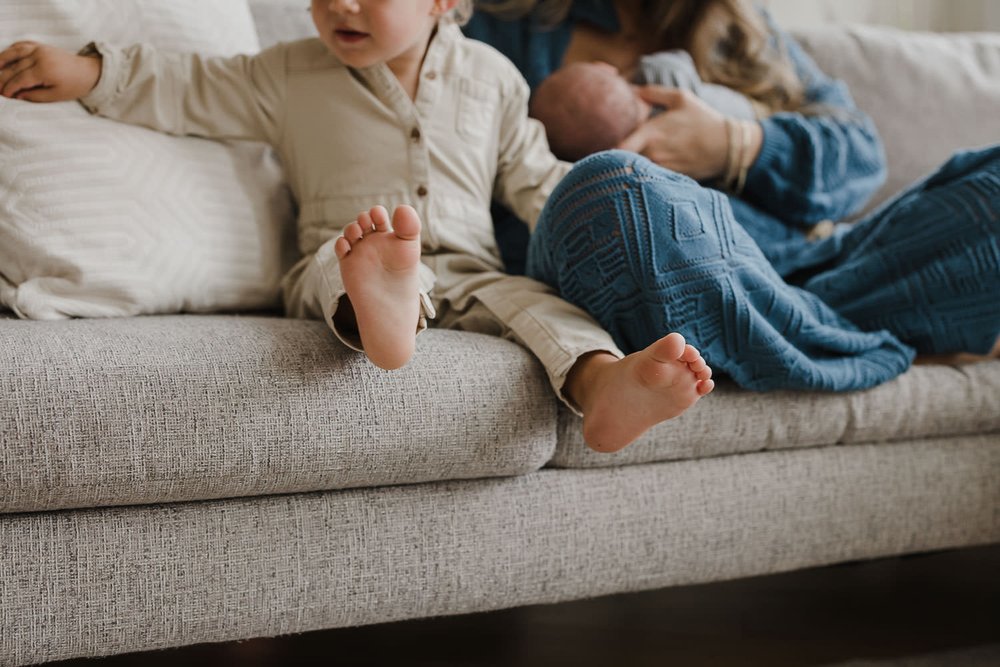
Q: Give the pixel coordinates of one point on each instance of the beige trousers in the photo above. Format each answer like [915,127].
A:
[465,293]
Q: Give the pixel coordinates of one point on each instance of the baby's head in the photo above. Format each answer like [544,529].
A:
[367,32]
[586,108]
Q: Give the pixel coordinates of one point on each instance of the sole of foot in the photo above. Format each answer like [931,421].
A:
[631,395]
[379,262]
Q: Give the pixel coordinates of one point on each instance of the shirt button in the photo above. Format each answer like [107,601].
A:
[431,75]
[422,191]
[415,134]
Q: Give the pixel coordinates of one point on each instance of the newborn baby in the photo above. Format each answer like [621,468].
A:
[590,107]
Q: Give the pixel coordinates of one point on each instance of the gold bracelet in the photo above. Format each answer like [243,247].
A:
[732,171]
[744,167]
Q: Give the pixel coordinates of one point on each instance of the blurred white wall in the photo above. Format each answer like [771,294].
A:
[951,15]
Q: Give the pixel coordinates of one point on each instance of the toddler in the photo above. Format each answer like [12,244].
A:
[590,107]
[390,105]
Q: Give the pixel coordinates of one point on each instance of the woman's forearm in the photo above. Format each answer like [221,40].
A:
[822,163]
[813,168]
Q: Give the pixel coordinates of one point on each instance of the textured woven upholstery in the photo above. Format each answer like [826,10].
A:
[120,579]
[926,402]
[161,409]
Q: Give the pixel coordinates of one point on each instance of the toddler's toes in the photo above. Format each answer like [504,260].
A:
[691,354]
[705,387]
[353,233]
[406,223]
[697,365]
[341,246]
[380,218]
[704,374]
[669,348]
[366,223]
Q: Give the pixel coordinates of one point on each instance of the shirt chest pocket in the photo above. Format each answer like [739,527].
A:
[477,108]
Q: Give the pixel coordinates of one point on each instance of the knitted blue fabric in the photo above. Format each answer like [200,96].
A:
[647,251]
[925,266]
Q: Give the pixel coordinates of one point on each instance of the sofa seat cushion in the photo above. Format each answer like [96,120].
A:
[927,402]
[170,408]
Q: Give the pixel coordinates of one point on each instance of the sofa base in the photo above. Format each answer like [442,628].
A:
[146,577]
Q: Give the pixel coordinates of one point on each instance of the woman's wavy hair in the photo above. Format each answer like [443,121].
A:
[729,41]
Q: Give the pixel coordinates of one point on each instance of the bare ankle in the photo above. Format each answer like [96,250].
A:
[344,318]
[583,376]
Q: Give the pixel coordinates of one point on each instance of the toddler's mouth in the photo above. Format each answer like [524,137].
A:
[349,36]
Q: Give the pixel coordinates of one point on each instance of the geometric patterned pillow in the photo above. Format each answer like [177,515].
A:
[103,219]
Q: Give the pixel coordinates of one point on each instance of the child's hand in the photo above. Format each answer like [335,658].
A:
[40,73]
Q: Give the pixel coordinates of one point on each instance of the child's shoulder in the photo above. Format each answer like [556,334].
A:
[303,55]
[478,60]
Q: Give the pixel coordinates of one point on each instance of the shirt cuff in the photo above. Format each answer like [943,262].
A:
[775,147]
[108,85]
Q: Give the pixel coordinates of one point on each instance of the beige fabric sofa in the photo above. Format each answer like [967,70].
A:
[180,479]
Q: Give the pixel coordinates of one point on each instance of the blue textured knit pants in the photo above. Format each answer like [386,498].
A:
[647,251]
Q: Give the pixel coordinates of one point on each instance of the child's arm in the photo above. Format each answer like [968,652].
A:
[527,171]
[183,94]
[40,73]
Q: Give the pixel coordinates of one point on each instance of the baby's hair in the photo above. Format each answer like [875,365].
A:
[585,108]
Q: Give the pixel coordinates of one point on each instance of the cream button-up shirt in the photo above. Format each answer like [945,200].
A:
[350,139]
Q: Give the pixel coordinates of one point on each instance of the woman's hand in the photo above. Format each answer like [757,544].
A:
[690,137]
[41,73]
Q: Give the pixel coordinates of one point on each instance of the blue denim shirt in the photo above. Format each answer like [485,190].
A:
[820,166]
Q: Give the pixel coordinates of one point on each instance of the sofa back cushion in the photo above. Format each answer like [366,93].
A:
[930,94]
[101,219]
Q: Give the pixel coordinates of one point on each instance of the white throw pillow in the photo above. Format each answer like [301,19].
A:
[103,219]
[281,21]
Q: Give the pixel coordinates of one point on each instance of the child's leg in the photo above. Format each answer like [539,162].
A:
[379,264]
[619,398]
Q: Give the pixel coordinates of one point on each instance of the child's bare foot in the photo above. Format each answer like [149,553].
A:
[622,398]
[378,264]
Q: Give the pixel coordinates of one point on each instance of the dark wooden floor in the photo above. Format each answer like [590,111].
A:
[944,607]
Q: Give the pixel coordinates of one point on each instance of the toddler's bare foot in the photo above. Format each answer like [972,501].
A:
[378,264]
[622,398]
